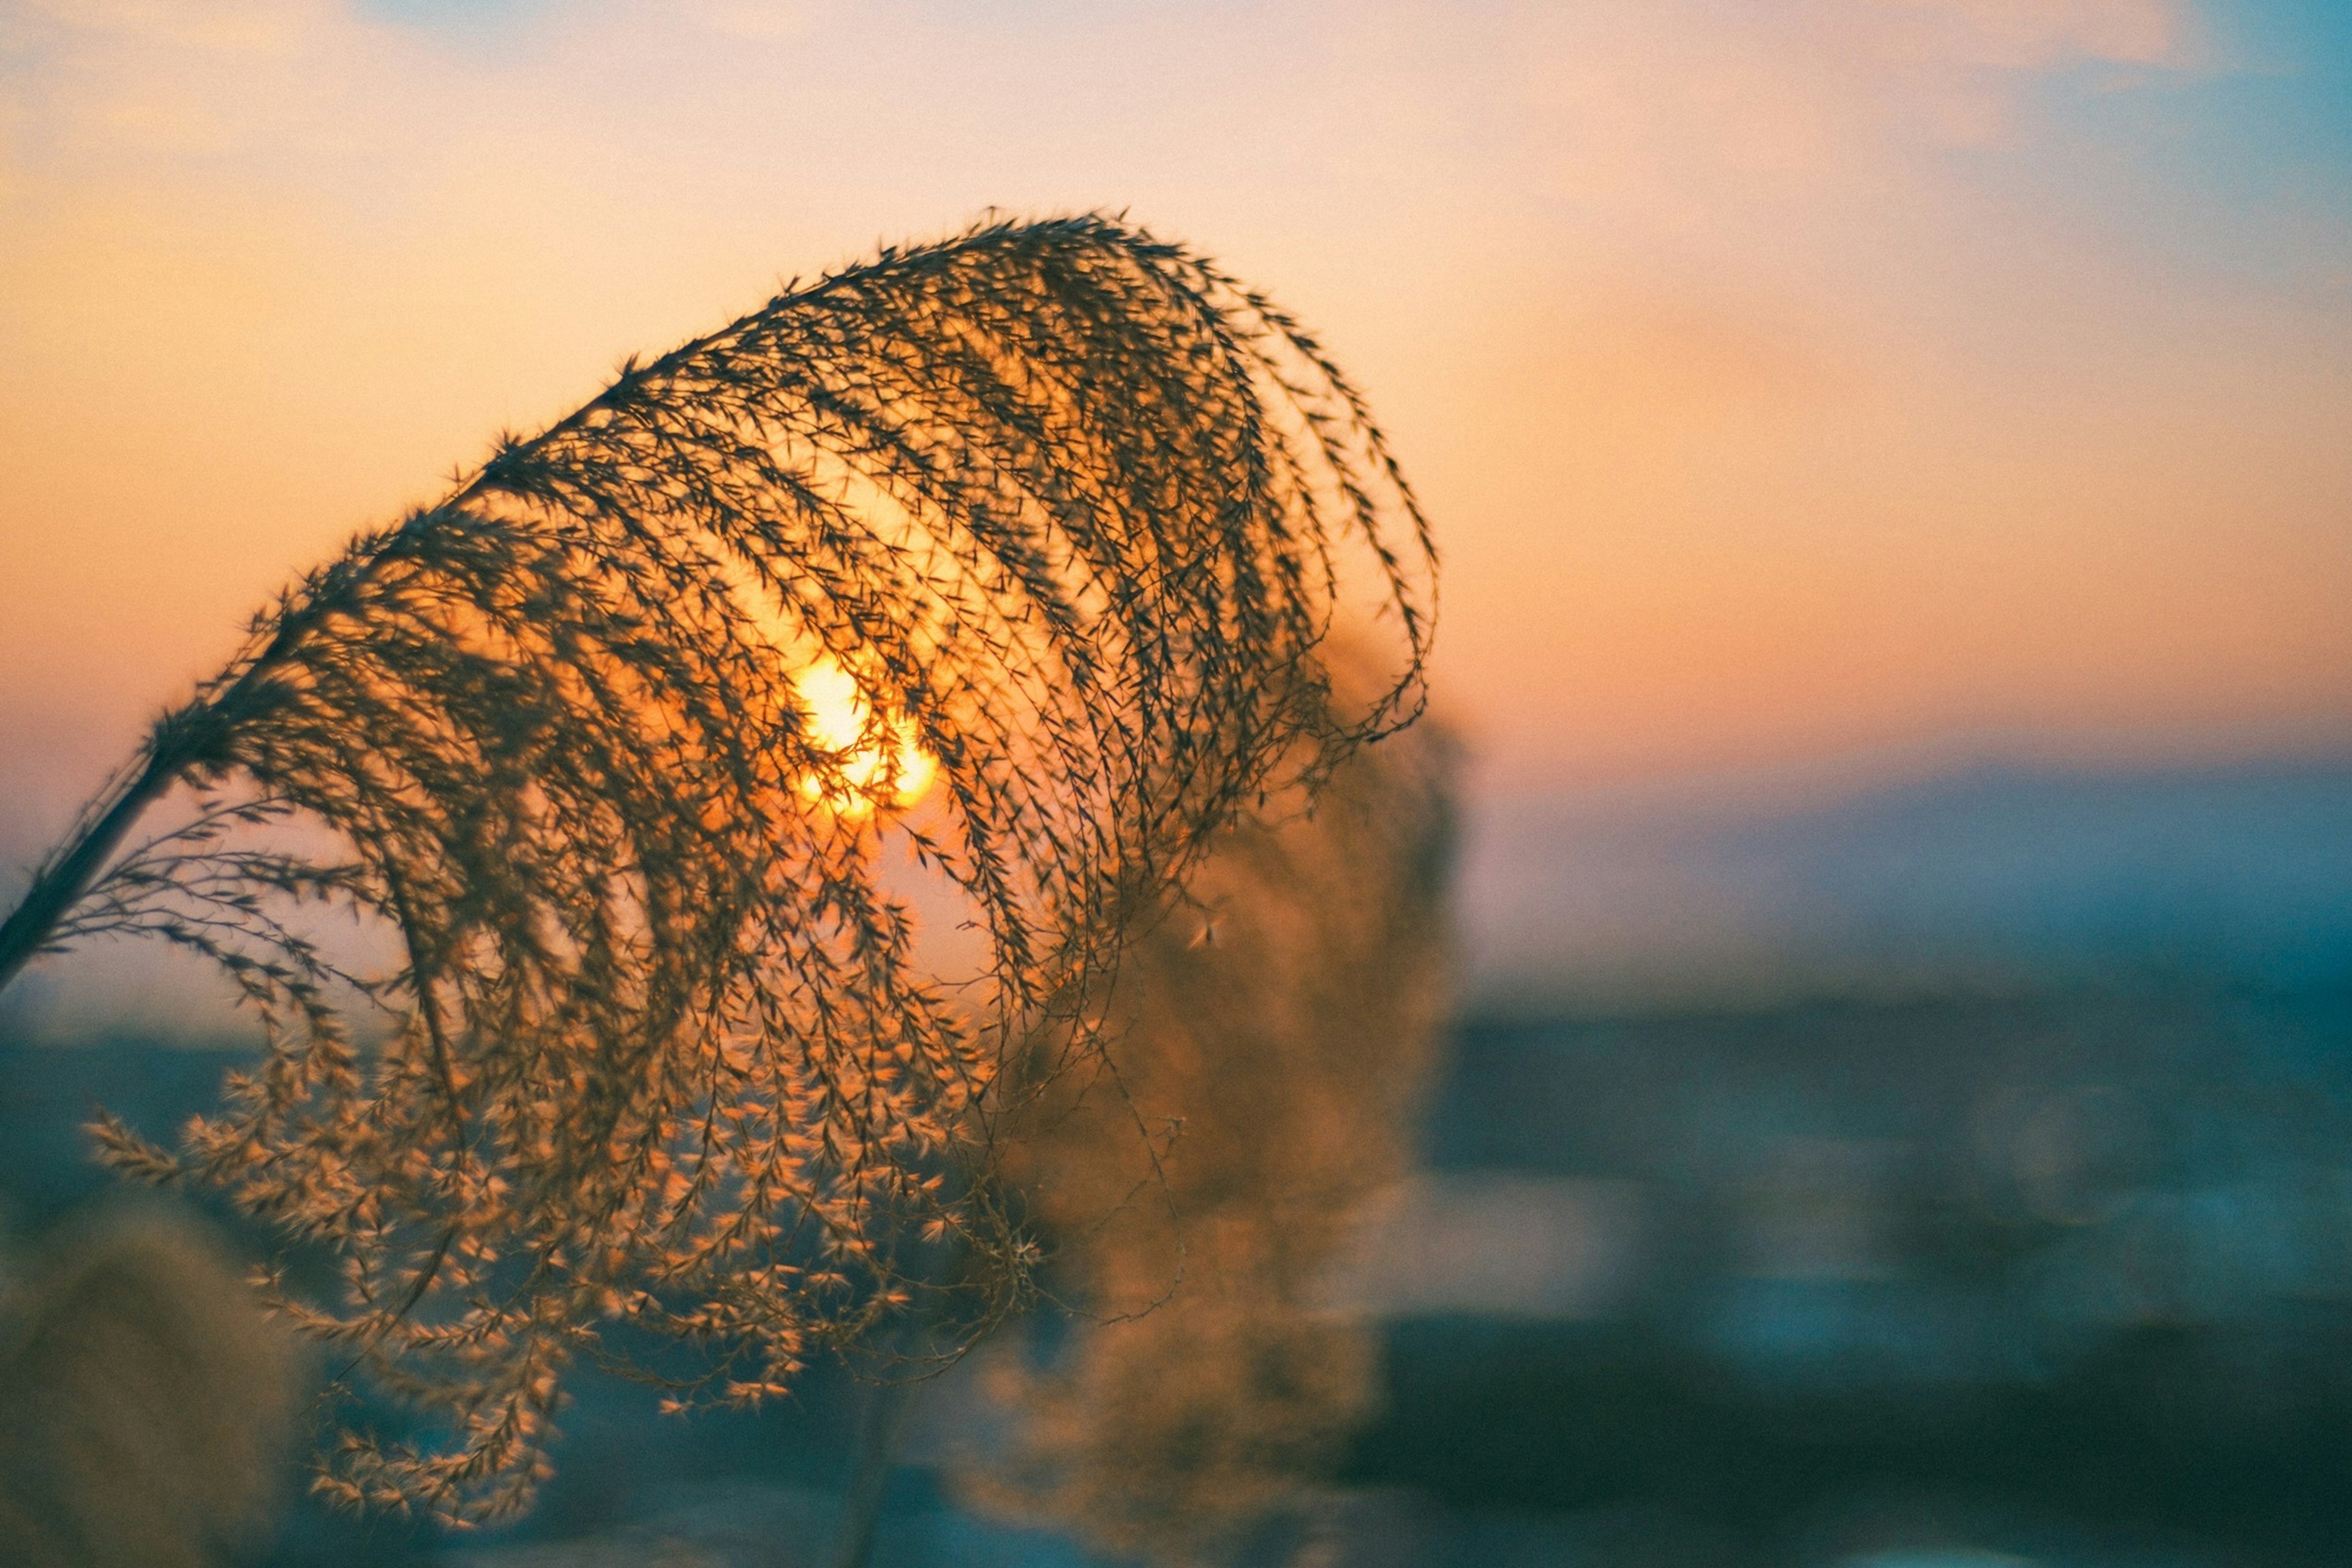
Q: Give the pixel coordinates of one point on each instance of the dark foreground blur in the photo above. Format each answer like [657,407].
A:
[2062,1277]
[2043,1259]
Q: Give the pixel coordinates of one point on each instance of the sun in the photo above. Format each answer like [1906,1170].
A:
[893,775]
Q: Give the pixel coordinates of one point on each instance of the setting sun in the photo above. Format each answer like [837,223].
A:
[839,720]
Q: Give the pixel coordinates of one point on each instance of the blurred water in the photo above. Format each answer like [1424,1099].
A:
[2081,1255]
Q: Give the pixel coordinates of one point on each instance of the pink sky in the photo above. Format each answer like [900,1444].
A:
[1789,383]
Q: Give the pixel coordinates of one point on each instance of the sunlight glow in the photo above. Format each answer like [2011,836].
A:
[895,775]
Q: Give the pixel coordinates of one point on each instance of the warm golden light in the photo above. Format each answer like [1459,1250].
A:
[868,775]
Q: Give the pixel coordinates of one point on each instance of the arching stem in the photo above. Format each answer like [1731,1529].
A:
[60,883]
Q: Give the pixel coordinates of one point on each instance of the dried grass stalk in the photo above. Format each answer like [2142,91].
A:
[1073,509]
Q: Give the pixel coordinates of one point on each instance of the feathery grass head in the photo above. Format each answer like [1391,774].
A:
[652,1046]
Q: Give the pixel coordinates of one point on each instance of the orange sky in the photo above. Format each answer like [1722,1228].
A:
[1842,378]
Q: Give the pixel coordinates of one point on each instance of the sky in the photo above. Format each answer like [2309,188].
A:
[1822,384]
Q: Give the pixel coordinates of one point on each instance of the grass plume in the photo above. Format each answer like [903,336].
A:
[1073,509]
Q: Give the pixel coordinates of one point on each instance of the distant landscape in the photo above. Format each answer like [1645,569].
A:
[1994,875]
[1962,1165]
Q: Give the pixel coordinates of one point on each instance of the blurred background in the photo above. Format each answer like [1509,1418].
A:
[1891,461]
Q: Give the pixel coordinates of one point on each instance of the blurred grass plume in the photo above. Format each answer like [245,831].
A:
[1199,1178]
[146,1402]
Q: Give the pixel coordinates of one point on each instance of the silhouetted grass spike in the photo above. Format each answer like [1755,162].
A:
[1074,511]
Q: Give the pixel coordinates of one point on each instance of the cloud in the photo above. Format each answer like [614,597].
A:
[223,26]
[1955,69]
[757,18]
[123,89]
[2022,35]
